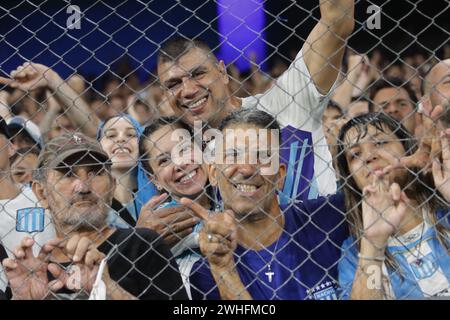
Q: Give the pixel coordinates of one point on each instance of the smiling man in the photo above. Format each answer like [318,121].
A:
[196,85]
[75,184]
[256,248]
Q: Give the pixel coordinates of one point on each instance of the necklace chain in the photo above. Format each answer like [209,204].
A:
[268,265]
[270,273]
[419,254]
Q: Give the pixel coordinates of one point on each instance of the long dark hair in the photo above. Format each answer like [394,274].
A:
[418,187]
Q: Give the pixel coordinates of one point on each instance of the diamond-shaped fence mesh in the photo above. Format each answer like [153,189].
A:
[224,149]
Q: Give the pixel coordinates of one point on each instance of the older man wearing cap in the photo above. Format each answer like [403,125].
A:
[74,182]
[20,214]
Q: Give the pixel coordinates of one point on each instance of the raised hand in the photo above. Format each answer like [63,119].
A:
[31,76]
[86,261]
[173,224]
[383,210]
[27,274]
[441,169]
[218,237]
[426,133]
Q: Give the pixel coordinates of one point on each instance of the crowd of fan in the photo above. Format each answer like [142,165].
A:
[95,206]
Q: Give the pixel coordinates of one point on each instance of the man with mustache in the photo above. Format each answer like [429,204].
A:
[74,183]
[257,248]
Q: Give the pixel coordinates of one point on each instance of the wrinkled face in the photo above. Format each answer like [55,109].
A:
[22,168]
[396,103]
[370,153]
[80,195]
[439,80]
[244,184]
[120,142]
[195,86]
[181,178]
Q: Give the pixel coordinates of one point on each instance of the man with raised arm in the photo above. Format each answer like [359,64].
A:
[196,86]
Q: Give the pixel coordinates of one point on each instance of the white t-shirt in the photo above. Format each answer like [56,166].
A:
[298,106]
[10,238]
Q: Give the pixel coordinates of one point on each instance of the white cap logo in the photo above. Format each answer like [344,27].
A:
[77,139]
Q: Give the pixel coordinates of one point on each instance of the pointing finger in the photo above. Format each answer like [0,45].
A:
[198,210]
[155,201]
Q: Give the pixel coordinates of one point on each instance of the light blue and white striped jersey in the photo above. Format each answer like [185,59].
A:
[20,217]
[424,264]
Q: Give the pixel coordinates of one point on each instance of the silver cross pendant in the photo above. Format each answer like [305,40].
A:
[269,274]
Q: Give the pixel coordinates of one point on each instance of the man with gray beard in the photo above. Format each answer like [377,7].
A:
[74,182]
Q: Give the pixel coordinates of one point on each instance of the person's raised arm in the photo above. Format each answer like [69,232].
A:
[343,94]
[31,76]
[325,45]
[5,113]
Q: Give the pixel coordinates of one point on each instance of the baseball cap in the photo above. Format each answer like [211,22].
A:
[60,148]
[4,128]
[20,124]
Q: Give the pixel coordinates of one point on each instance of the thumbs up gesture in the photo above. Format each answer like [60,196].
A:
[218,237]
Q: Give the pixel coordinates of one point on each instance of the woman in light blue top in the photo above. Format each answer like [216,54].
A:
[119,136]
[398,221]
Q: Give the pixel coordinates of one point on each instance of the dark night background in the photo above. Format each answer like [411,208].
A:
[28,32]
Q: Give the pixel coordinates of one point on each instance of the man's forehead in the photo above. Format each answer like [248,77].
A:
[439,71]
[192,59]
[82,160]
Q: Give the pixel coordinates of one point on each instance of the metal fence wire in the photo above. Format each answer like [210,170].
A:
[224,149]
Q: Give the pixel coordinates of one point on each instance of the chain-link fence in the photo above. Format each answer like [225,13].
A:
[224,149]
